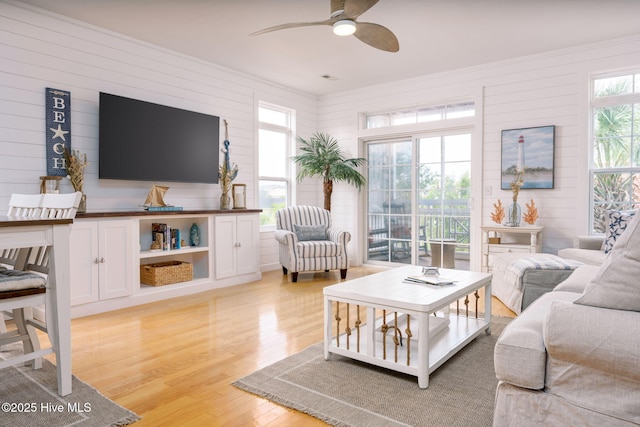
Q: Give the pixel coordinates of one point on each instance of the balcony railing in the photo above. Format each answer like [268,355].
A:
[391,232]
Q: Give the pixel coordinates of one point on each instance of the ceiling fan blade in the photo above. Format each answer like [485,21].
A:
[377,36]
[355,8]
[293,25]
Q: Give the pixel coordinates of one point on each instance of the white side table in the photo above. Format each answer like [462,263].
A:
[502,239]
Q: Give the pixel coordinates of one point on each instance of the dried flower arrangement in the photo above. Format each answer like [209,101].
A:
[516,184]
[498,215]
[226,172]
[75,167]
[531,215]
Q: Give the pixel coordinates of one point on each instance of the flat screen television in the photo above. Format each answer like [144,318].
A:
[142,141]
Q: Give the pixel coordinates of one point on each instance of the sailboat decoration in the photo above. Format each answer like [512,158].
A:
[155,200]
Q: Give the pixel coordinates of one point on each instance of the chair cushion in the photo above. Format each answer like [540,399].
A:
[318,249]
[13,280]
[310,232]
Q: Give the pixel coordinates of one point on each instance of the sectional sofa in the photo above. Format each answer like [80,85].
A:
[573,356]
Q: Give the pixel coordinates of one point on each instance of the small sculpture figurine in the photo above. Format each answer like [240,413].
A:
[531,215]
[498,215]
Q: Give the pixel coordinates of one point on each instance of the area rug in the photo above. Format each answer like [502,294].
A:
[29,398]
[344,392]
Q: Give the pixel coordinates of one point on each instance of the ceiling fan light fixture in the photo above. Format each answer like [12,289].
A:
[344,27]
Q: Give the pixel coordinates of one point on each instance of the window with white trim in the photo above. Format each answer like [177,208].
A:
[419,115]
[275,137]
[615,145]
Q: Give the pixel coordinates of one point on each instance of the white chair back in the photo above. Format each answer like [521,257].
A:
[48,205]
[60,205]
[22,206]
[25,205]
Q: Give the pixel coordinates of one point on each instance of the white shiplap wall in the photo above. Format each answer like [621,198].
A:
[540,90]
[39,50]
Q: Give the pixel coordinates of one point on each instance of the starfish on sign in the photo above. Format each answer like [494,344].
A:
[59,133]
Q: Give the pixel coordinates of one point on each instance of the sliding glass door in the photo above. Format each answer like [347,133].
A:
[444,191]
[418,200]
[390,200]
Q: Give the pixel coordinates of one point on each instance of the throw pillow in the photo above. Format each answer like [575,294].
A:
[616,283]
[310,232]
[618,221]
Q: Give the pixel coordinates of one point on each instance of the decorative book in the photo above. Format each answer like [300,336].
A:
[162,208]
[429,280]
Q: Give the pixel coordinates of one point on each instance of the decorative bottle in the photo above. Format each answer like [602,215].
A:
[515,214]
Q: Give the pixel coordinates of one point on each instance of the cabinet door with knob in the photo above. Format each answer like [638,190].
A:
[102,260]
[236,245]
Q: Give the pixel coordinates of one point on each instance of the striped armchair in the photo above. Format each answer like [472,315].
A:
[308,243]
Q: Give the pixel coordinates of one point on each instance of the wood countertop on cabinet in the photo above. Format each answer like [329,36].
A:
[168,212]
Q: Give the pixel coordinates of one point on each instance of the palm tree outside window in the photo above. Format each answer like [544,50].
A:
[615,159]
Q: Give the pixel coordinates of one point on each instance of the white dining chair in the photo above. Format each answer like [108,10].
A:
[25,205]
[23,286]
[60,205]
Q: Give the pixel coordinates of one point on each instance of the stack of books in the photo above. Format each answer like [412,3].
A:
[165,237]
[162,208]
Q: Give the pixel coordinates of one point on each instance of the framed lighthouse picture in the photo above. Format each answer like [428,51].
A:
[529,151]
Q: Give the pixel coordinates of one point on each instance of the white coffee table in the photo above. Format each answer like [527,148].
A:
[415,309]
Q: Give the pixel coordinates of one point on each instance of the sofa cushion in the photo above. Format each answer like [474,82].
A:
[521,407]
[310,232]
[616,283]
[578,280]
[618,222]
[593,358]
[586,256]
[520,357]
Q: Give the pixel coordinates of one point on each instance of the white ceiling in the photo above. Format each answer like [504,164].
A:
[435,35]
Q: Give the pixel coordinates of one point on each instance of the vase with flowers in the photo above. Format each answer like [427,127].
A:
[515,211]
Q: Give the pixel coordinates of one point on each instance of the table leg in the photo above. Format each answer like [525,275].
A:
[59,307]
[327,327]
[423,350]
[487,307]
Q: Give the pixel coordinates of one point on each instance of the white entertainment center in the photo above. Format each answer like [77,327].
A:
[108,248]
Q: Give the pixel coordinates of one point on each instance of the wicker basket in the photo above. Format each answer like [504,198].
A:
[166,273]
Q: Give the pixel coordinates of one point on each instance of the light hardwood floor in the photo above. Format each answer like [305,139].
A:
[173,362]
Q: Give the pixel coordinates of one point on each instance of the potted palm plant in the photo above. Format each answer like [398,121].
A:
[321,156]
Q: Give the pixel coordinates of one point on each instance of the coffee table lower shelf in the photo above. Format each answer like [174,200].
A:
[358,313]
[443,343]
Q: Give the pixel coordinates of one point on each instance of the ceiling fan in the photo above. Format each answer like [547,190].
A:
[343,20]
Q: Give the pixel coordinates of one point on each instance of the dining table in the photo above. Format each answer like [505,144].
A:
[25,233]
